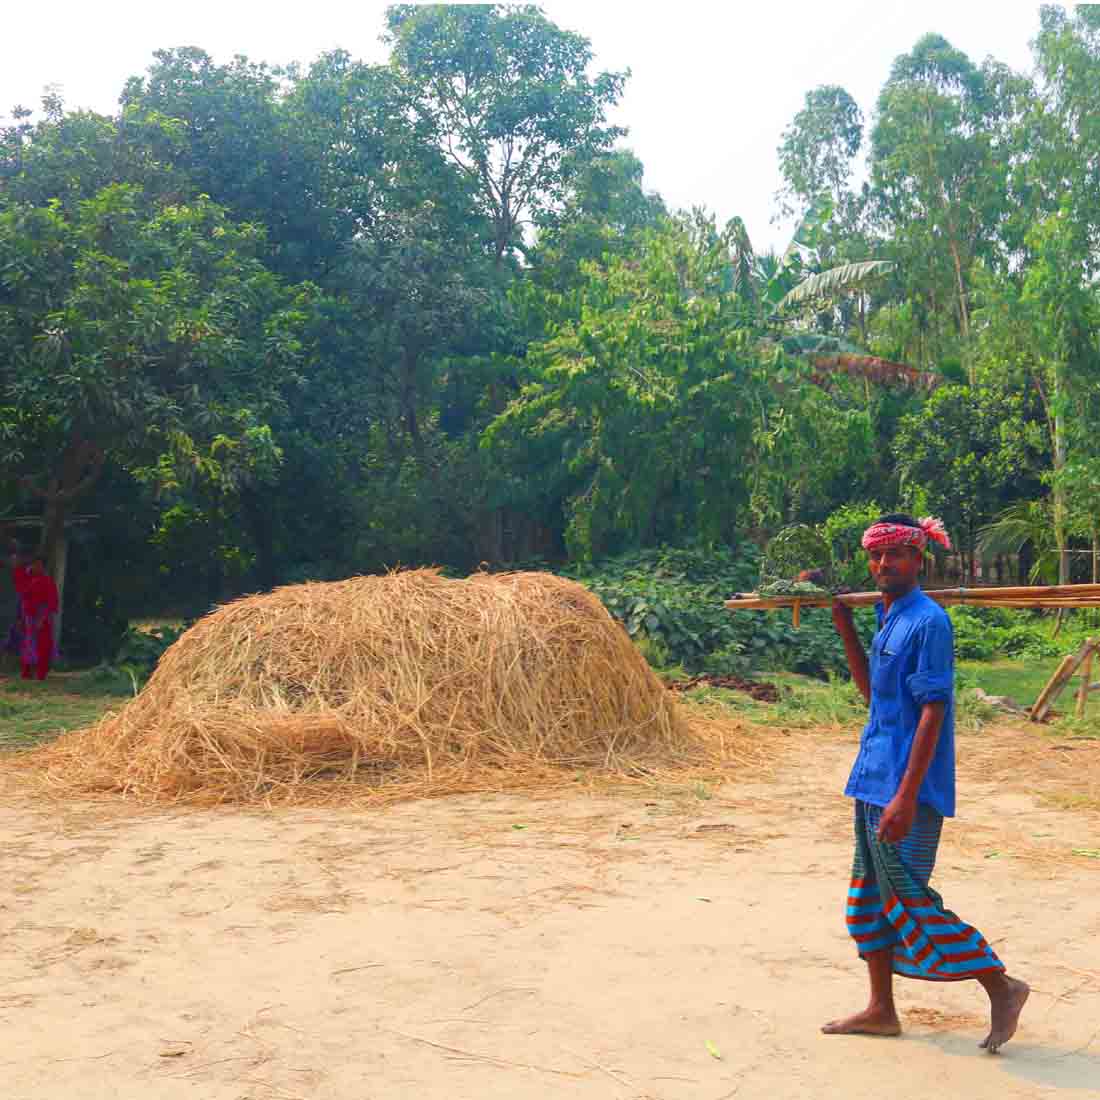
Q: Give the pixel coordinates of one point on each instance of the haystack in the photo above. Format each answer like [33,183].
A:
[409,680]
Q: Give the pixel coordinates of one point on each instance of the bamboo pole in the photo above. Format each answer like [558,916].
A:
[1062,673]
[1061,677]
[1024,596]
[1086,677]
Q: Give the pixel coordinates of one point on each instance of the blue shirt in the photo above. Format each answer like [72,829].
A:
[912,663]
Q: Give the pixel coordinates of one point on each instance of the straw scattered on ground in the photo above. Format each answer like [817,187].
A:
[389,687]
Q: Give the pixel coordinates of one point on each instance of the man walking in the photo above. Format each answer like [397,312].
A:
[903,783]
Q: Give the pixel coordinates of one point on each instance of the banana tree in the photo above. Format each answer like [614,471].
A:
[779,291]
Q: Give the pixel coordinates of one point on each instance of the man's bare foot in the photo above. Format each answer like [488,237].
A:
[872,1021]
[1005,1004]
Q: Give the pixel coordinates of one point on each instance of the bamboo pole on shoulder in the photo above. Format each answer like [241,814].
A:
[1025,596]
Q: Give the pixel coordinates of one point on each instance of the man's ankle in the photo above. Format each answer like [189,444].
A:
[996,982]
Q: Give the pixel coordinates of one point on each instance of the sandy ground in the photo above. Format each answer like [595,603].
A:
[651,945]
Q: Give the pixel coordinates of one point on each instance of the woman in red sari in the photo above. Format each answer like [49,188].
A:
[38,605]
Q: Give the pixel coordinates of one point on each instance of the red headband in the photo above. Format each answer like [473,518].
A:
[880,535]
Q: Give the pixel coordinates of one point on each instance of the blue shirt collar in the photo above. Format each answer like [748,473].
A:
[899,605]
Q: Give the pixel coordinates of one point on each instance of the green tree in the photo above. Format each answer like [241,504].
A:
[638,409]
[606,211]
[941,150]
[67,157]
[508,97]
[230,135]
[818,150]
[1038,332]
[152,337]
[963,453]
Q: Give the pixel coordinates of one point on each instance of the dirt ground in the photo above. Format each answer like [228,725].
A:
[653,944]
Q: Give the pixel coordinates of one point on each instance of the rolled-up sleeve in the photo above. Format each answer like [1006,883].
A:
[934,679]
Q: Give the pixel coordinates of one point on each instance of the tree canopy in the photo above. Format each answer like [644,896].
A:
[272,323]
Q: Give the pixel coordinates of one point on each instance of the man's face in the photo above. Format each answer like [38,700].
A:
[37,568]
[896,569]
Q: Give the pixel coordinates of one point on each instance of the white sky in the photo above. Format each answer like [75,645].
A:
[713,84]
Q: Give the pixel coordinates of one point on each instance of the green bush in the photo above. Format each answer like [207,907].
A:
[94,625]
[675,596]
[987,634]
[133,663]
[140,650]
[973,640]
[731,660]
[105,679]
[844,531]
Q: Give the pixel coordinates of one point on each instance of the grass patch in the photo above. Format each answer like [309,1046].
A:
[1021,679]
[32,712]
[1080,729]
[804,702]
[972,714]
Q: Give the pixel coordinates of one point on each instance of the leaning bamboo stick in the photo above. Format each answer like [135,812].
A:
[1086,677]
[1062,676]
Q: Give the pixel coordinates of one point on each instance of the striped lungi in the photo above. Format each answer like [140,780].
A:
[890,904]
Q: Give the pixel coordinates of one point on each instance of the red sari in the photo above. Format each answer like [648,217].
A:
[39,605]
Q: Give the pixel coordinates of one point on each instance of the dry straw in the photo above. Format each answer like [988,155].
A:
[387,686]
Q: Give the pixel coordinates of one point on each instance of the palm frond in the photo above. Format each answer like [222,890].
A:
[817,213]
[1027,521]
[837,280]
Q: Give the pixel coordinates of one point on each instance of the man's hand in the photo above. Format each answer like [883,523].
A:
[843,619]
[897,819]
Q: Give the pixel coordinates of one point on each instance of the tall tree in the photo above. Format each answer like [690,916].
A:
[638,407]
[941,150]
[149,336]
[508,97]
[1039,331]
[818,149]
[606,211]
[963,454]
[233,140]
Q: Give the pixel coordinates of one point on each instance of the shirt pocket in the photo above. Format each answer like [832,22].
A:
[885,675]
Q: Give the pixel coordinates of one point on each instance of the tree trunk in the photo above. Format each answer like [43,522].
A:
[80,467]
[1024,560]
[964,309]
[55,513]
[1059,497]
[55,549]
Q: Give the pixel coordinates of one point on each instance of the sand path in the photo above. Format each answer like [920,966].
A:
[637,946]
